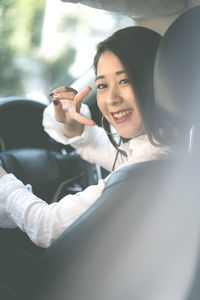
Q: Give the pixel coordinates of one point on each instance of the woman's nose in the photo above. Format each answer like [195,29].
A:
[113,97]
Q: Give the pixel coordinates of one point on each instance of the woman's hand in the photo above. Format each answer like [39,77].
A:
[67,104]
[2,172]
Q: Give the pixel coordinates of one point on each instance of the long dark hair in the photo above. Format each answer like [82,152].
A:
[136,48]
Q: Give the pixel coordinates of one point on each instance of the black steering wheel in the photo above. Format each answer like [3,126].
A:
[33,157]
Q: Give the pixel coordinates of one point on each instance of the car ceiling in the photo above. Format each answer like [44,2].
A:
[154,14]
[137,8]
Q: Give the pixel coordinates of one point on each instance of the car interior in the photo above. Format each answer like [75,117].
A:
[140,240]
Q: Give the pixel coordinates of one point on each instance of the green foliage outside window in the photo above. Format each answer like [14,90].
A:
[20,37]
[18,34]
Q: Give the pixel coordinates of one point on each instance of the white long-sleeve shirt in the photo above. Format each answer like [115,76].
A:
[45,222]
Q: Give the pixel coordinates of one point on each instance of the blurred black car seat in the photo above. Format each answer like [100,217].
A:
[134,243]
[178,90]
[140,240]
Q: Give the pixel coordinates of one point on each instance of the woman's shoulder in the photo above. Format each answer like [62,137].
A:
[140,149]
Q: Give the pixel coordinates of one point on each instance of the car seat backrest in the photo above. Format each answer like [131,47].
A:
[177,72]
[177,78]
[133,243]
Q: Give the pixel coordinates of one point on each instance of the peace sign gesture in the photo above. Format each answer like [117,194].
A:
[67,104]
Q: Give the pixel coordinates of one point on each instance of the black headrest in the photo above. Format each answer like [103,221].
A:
[177,69]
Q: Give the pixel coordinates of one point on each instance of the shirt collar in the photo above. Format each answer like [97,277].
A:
[141,149]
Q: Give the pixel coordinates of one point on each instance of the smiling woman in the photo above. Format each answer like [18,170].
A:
[44,223]
[127,87]
[124,67]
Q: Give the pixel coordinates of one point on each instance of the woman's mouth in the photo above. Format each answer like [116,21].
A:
[122,115]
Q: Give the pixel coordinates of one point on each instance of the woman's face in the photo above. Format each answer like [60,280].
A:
[116,98]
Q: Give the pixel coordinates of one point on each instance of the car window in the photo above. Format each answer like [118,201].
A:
[48,43]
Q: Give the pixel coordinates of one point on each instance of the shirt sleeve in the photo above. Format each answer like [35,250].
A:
[44,222]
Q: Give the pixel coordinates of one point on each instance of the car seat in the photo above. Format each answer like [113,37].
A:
[140,240]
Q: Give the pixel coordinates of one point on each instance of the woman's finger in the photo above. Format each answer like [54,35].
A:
[64,95]
[66,104]
[83,120]
[80,96]
[63,89]
[58,111]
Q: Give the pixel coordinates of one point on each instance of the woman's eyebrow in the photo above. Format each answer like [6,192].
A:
[121,72]
[99,77]
[117,73]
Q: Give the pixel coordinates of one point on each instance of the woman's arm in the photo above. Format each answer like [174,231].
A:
[42,222]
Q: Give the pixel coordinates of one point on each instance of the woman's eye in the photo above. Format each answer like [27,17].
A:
[101,86]
[124,81]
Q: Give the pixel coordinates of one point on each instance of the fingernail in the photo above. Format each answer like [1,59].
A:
[51,94]
[55,102]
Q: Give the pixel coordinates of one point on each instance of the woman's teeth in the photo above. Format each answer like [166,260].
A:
[122,113]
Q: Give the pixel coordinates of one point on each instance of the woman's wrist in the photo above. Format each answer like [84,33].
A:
[73,131]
